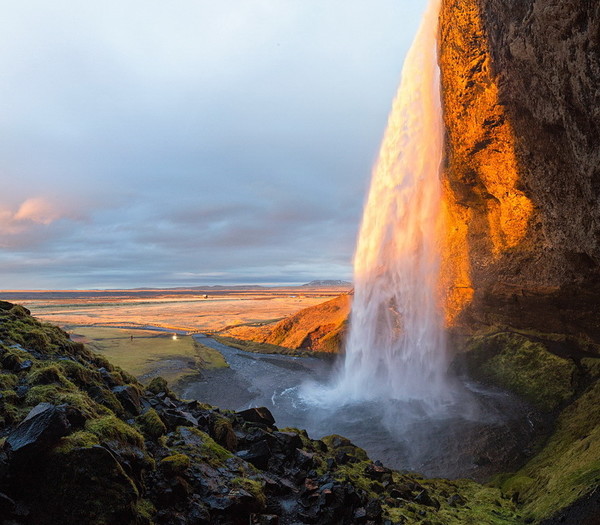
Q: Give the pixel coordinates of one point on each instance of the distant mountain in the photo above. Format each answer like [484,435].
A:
[326,283]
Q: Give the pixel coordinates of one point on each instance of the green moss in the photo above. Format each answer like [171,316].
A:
[515,485]
[145,510]
[47,375]
[151,425]
[58,395]
[592,367]
[525,367]
[252,487]
[175,465]
[482,505]
[83,376]
[224,434]
[126,377]
[568,467]
[158,385]
[9,412]
[19,311]
[112,428]
[101,362]
[12,358]
[8,381]
[214,452]
[344,445]
[75,440]
[201,448]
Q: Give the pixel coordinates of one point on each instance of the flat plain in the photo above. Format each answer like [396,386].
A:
[191,310]
[148,332]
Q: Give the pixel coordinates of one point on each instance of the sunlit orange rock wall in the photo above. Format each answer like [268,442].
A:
[521,97]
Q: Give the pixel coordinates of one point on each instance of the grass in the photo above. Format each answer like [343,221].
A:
[568,467]
[258,348]
[526,367]
[147,354]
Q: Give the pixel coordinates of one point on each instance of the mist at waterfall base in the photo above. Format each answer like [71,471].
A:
[391,393]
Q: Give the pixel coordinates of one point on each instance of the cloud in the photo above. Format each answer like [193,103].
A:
[38,210]
[152,143]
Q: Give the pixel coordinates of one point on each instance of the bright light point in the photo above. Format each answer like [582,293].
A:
[174,337]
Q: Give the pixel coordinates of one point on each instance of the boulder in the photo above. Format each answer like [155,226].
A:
[178,418]
[43,426]
[260,416]
[129,397]
[258,454]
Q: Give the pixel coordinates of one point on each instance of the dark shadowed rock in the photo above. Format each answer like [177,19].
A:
[178,418]
[129,397]
[83,485]
[287,442]
[43,426]
[7,505]
[264,519]
[261,416]
[258,454]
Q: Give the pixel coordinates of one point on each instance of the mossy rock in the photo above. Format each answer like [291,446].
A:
[8,381]
[223,433]
[151,425]
[199,446]
[568,466]
[80,439]
[158,385]
[47,375]
[175,465]
[253,487]
[109,428]
[58,395]
[514,362]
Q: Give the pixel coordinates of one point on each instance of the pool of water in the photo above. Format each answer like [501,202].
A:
[486,434]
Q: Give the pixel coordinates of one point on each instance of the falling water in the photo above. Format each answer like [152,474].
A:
[396,346]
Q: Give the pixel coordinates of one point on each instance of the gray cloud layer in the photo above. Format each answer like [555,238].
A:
[152,143]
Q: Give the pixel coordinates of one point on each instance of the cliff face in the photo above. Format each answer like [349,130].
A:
[522,181]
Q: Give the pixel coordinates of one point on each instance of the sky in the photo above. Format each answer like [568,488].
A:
[191,142]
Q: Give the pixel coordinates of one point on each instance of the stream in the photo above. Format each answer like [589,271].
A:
[463,443]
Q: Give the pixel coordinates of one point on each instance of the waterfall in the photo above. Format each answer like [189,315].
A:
[396,346]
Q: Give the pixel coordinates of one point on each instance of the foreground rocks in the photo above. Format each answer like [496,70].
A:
[83,442]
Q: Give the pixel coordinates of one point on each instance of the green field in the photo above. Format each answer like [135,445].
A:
[147,353]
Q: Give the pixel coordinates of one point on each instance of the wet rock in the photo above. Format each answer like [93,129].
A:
[129,397]
[93,483]
[287,442]
[260,416]
[304,459]
[456,500]
[25,365]
[43,426]
[424,498]
[377,472]
[373,510]
[258,454]
[264,519]
[7,505]
[178,418]
[360,515]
